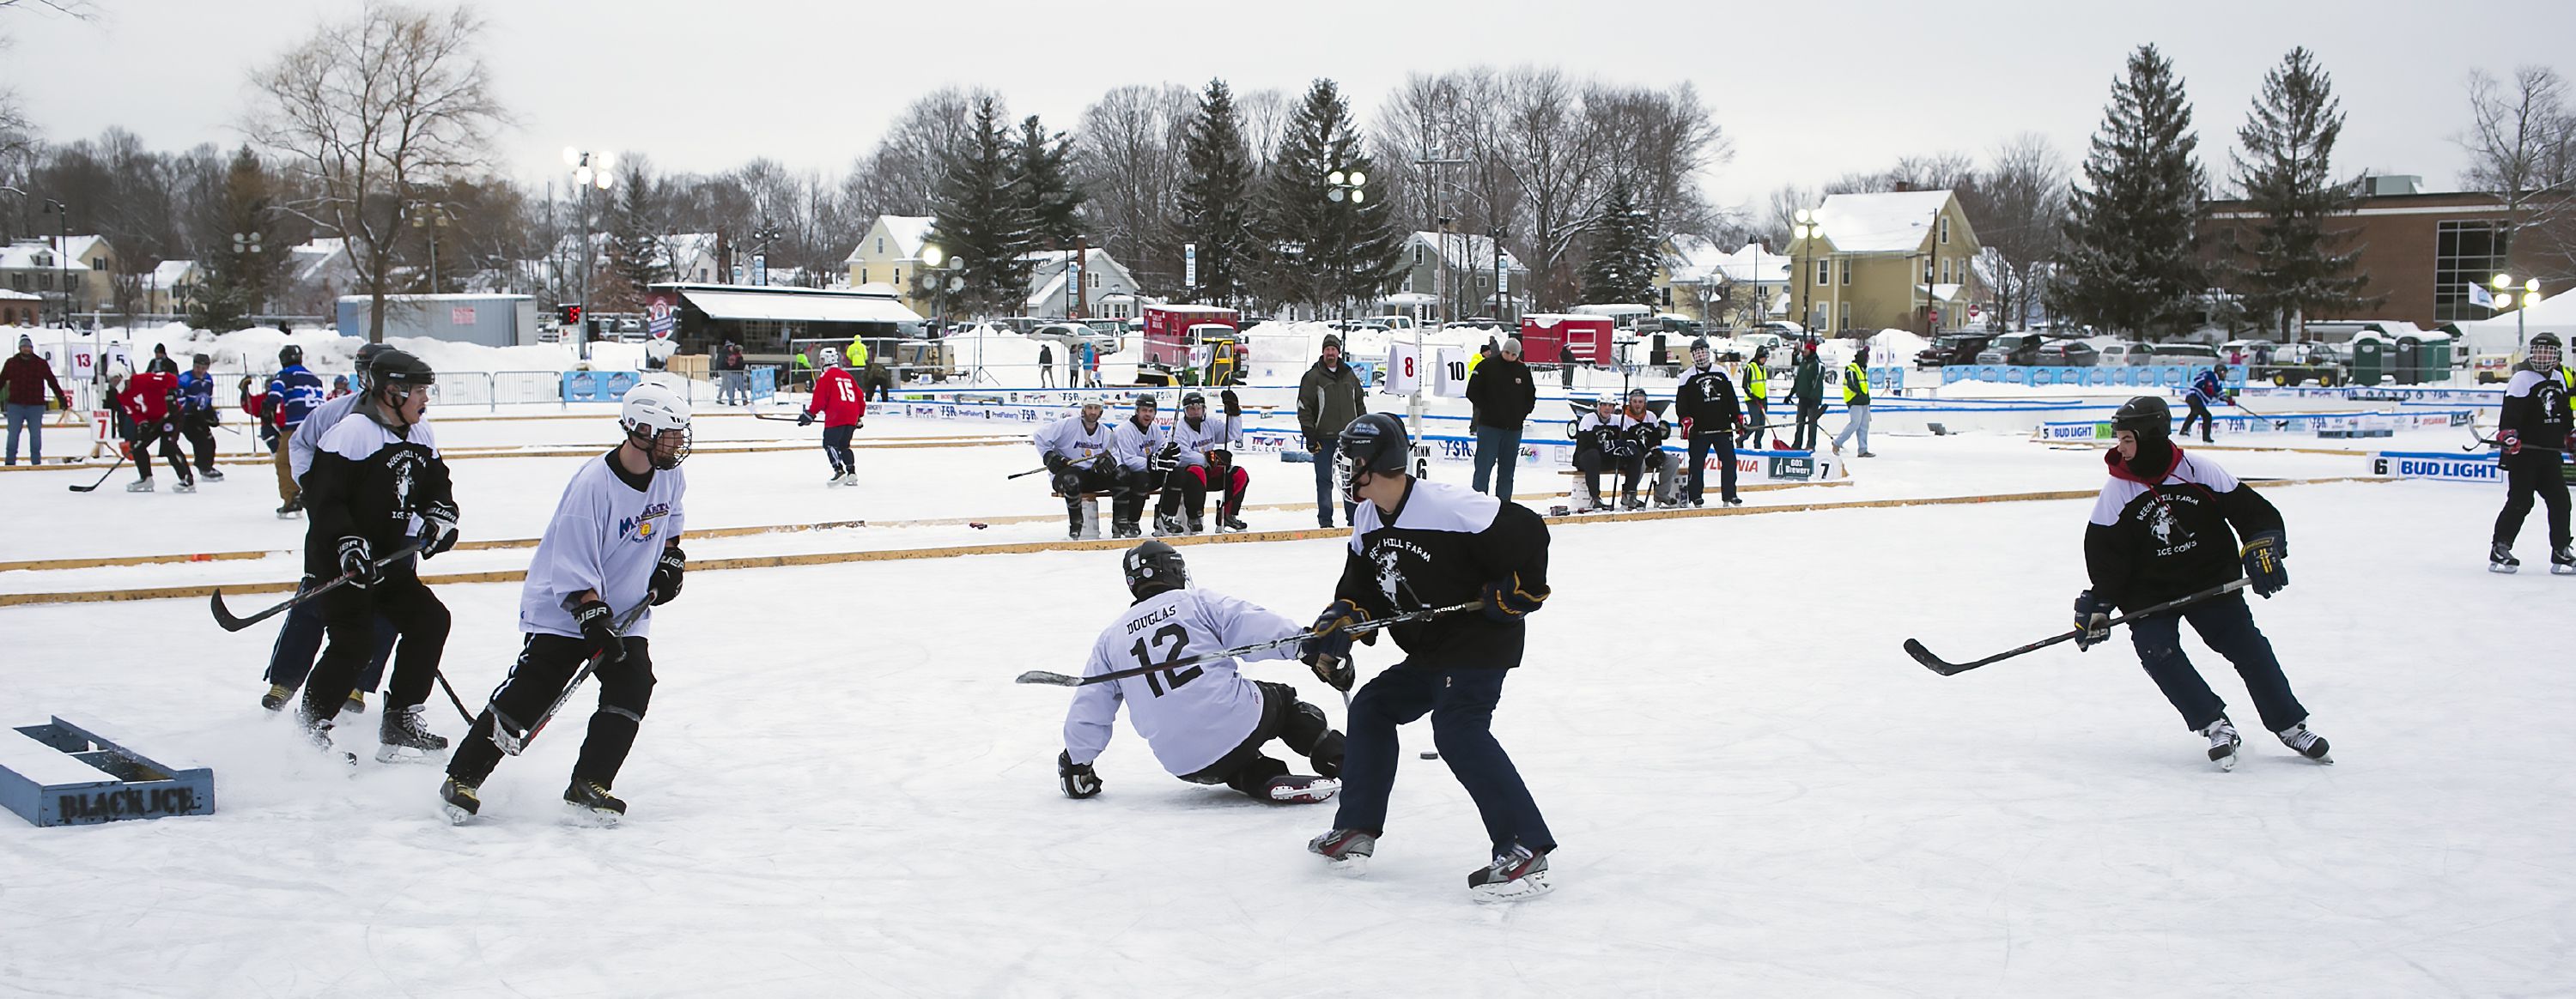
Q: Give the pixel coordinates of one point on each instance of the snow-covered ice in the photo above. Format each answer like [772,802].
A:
[839,791]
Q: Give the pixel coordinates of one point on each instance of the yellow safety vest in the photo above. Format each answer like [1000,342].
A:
[1757,382]
[858,354]
[1474,360]
[1854,375]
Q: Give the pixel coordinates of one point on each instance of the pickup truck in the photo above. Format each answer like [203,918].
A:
[1952,348]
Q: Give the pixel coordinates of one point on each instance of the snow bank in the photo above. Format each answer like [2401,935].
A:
[327,352]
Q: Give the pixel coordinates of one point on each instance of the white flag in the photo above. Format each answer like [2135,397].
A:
[1403,369]
[1449,372]
[2479,295]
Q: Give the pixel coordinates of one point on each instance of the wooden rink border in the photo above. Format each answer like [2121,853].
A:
[1112,544]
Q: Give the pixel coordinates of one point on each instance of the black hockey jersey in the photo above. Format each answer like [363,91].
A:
[1707,399]
[1439,547]
[2536,410]
[2152,541]
[371,482]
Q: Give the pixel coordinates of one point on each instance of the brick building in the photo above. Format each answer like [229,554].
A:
[2419,251]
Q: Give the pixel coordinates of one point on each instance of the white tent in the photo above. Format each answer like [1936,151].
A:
[2500,335]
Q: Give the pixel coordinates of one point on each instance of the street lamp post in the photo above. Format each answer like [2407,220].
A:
[590,170]
[1804,225]
[62,214]
[431,216]
[246,250]
[2503,285]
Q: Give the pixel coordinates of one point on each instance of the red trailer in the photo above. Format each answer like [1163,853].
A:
[1171,330]
[1559,338]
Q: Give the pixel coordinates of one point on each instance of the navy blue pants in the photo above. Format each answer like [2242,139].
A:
[1700,446]
[1328,484]
[2227,625]
[1461,705]
[1498,455]
[836,446]
[300,639]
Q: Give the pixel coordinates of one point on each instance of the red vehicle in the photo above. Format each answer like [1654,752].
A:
[1171,330]
[1558,338]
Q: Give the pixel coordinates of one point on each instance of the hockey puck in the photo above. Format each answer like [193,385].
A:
[1430,755]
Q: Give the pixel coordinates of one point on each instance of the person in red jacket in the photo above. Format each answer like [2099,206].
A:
[844,409]
[23,380]
[147,404]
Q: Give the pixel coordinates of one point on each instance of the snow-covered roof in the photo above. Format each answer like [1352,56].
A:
[173,273]
[1466,251]
[1695,260]
[22,255]
[908,232]
[1046,274]
[1942,292]
[20,296]
[1880,222]
[313,258]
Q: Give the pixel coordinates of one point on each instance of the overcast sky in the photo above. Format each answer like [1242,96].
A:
[1806,91]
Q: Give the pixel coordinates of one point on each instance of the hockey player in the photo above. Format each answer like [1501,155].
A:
[1705,402]
[2532,431]
[2204,390]
[836,396]
[1206,449]
[299,637]
[377,485]
[1419,545]
[293,394]
[2161,530]
[1646,435]
[613,546]
[1601,442]
[1206,723]
[1145,454]
[198,417]
[1076,450]
[150,401]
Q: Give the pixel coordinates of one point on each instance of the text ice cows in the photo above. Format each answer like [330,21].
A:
[2436,466]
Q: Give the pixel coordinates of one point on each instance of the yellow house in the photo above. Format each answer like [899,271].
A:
[890,256]
[1697,279]
[1888,260]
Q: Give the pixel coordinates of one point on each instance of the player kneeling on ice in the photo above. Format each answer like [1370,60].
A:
[610,554]
[2161,531]
[1205,723]
[1432,546]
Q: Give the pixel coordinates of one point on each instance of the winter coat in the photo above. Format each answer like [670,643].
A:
[1808,383]
[1328,400]
[2152,539]
[25,378]
[1502,393]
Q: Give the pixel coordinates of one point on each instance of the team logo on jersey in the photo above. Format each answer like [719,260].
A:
[1386,554]
[405,464]
[641,527]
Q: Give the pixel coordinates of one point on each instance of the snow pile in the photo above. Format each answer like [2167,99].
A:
[326,352]
[1886,347]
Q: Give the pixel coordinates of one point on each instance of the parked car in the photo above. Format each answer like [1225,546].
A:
[2011,348]
[2254,351]
[2067,354]
[1952,348]
[2120,352]
[2300,363]
[2198,355]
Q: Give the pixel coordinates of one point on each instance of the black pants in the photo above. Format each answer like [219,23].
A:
[1183,490]
[167,436]
[1127,500]
[1297,725]
[2522,481]
[1700,446]
[836,446]
[2199,411]
[349,617]
[201,440]
[1074,482]
[2227,626]
[1809,415]
[546,663]
[1593,463]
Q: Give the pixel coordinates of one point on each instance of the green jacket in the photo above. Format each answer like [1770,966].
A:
[1327,401]
[1808,384]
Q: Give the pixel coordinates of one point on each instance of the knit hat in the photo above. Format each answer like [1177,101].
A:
[1332,341]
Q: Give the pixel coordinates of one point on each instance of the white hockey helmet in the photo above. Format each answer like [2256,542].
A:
[651,410]
[831,356]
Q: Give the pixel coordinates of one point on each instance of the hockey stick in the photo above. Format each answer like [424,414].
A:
[1061,680]
[1914,647]
[224,616]
[451,696]
[2276,424]
[506,734]
[102,477]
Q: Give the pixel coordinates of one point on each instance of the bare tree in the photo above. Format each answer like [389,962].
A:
[369,111]
[2020,216]
[1127,157]
[2521,143]
[1779,211]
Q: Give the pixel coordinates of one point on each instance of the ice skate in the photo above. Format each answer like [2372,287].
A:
[1168,524]
[2223,741]
[849,478]
[404,739]
[1234,523]
[1198,525]
[290,511]
[2305,743]
[589,801]
[139,486]
[184,486]
[276,697]
[317,733]
[210,475]
[460,801]
[1303,790]
[2500,558]
[1348,850]
[1515,874]
[2562,561]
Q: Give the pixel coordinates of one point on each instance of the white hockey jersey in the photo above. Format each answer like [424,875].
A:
[607,535]
[1217,432]
[1068,437]
[308,434]
[1193,717]
[1133,444]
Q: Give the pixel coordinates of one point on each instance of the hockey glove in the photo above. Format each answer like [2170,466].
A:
[598,627]
[1164,460]
[1058,464]
[358,563]
[2093,618]
[666,575]
[1233,405]
[1687,424]
[1327,648]
[437,530]
[1507,600]
[2263,554]
[805,419]
[2512,441]
[1079,781]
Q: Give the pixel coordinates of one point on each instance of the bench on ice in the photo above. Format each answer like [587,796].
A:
[1091,509]
[68,772]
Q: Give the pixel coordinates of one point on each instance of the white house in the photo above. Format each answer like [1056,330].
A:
[1470,288]
[166,290]
[1733,289]
[1108,291]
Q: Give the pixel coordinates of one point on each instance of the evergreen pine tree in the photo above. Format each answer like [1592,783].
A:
[1621,266]
[1324,251]
[633,256]
[2129,263]
[977,216]
[1216,197]
[2287,173]
[239,279]
[1043,186]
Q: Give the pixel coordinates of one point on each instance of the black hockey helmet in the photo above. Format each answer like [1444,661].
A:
[1193,399]
[397,367]
[1374,444]
[1153,567]
[367,354]
[2146,416]
[2544,341]
[1145,401]
[289,356]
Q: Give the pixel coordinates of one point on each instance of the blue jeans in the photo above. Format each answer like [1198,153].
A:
[1328,487]
[1498,455]
[1858,423]
[1461,705]
[32,417]
[300,639]
[2227,625]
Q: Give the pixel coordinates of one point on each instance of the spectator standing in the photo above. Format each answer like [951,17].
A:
[1500,389]
[1706,404]
[23,380]
[1757,400]
[1856,397]
[1329,396]
[1807,391]
[1046,366]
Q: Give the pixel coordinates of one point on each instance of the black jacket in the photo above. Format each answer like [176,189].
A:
[1502,392]
[1707,399]
[1440,547]
[2152,541]
[371,485]
[2536,410]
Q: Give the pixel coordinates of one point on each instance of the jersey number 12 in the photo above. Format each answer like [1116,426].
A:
[1171,680]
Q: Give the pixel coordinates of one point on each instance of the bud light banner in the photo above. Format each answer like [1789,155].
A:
[2452,467]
